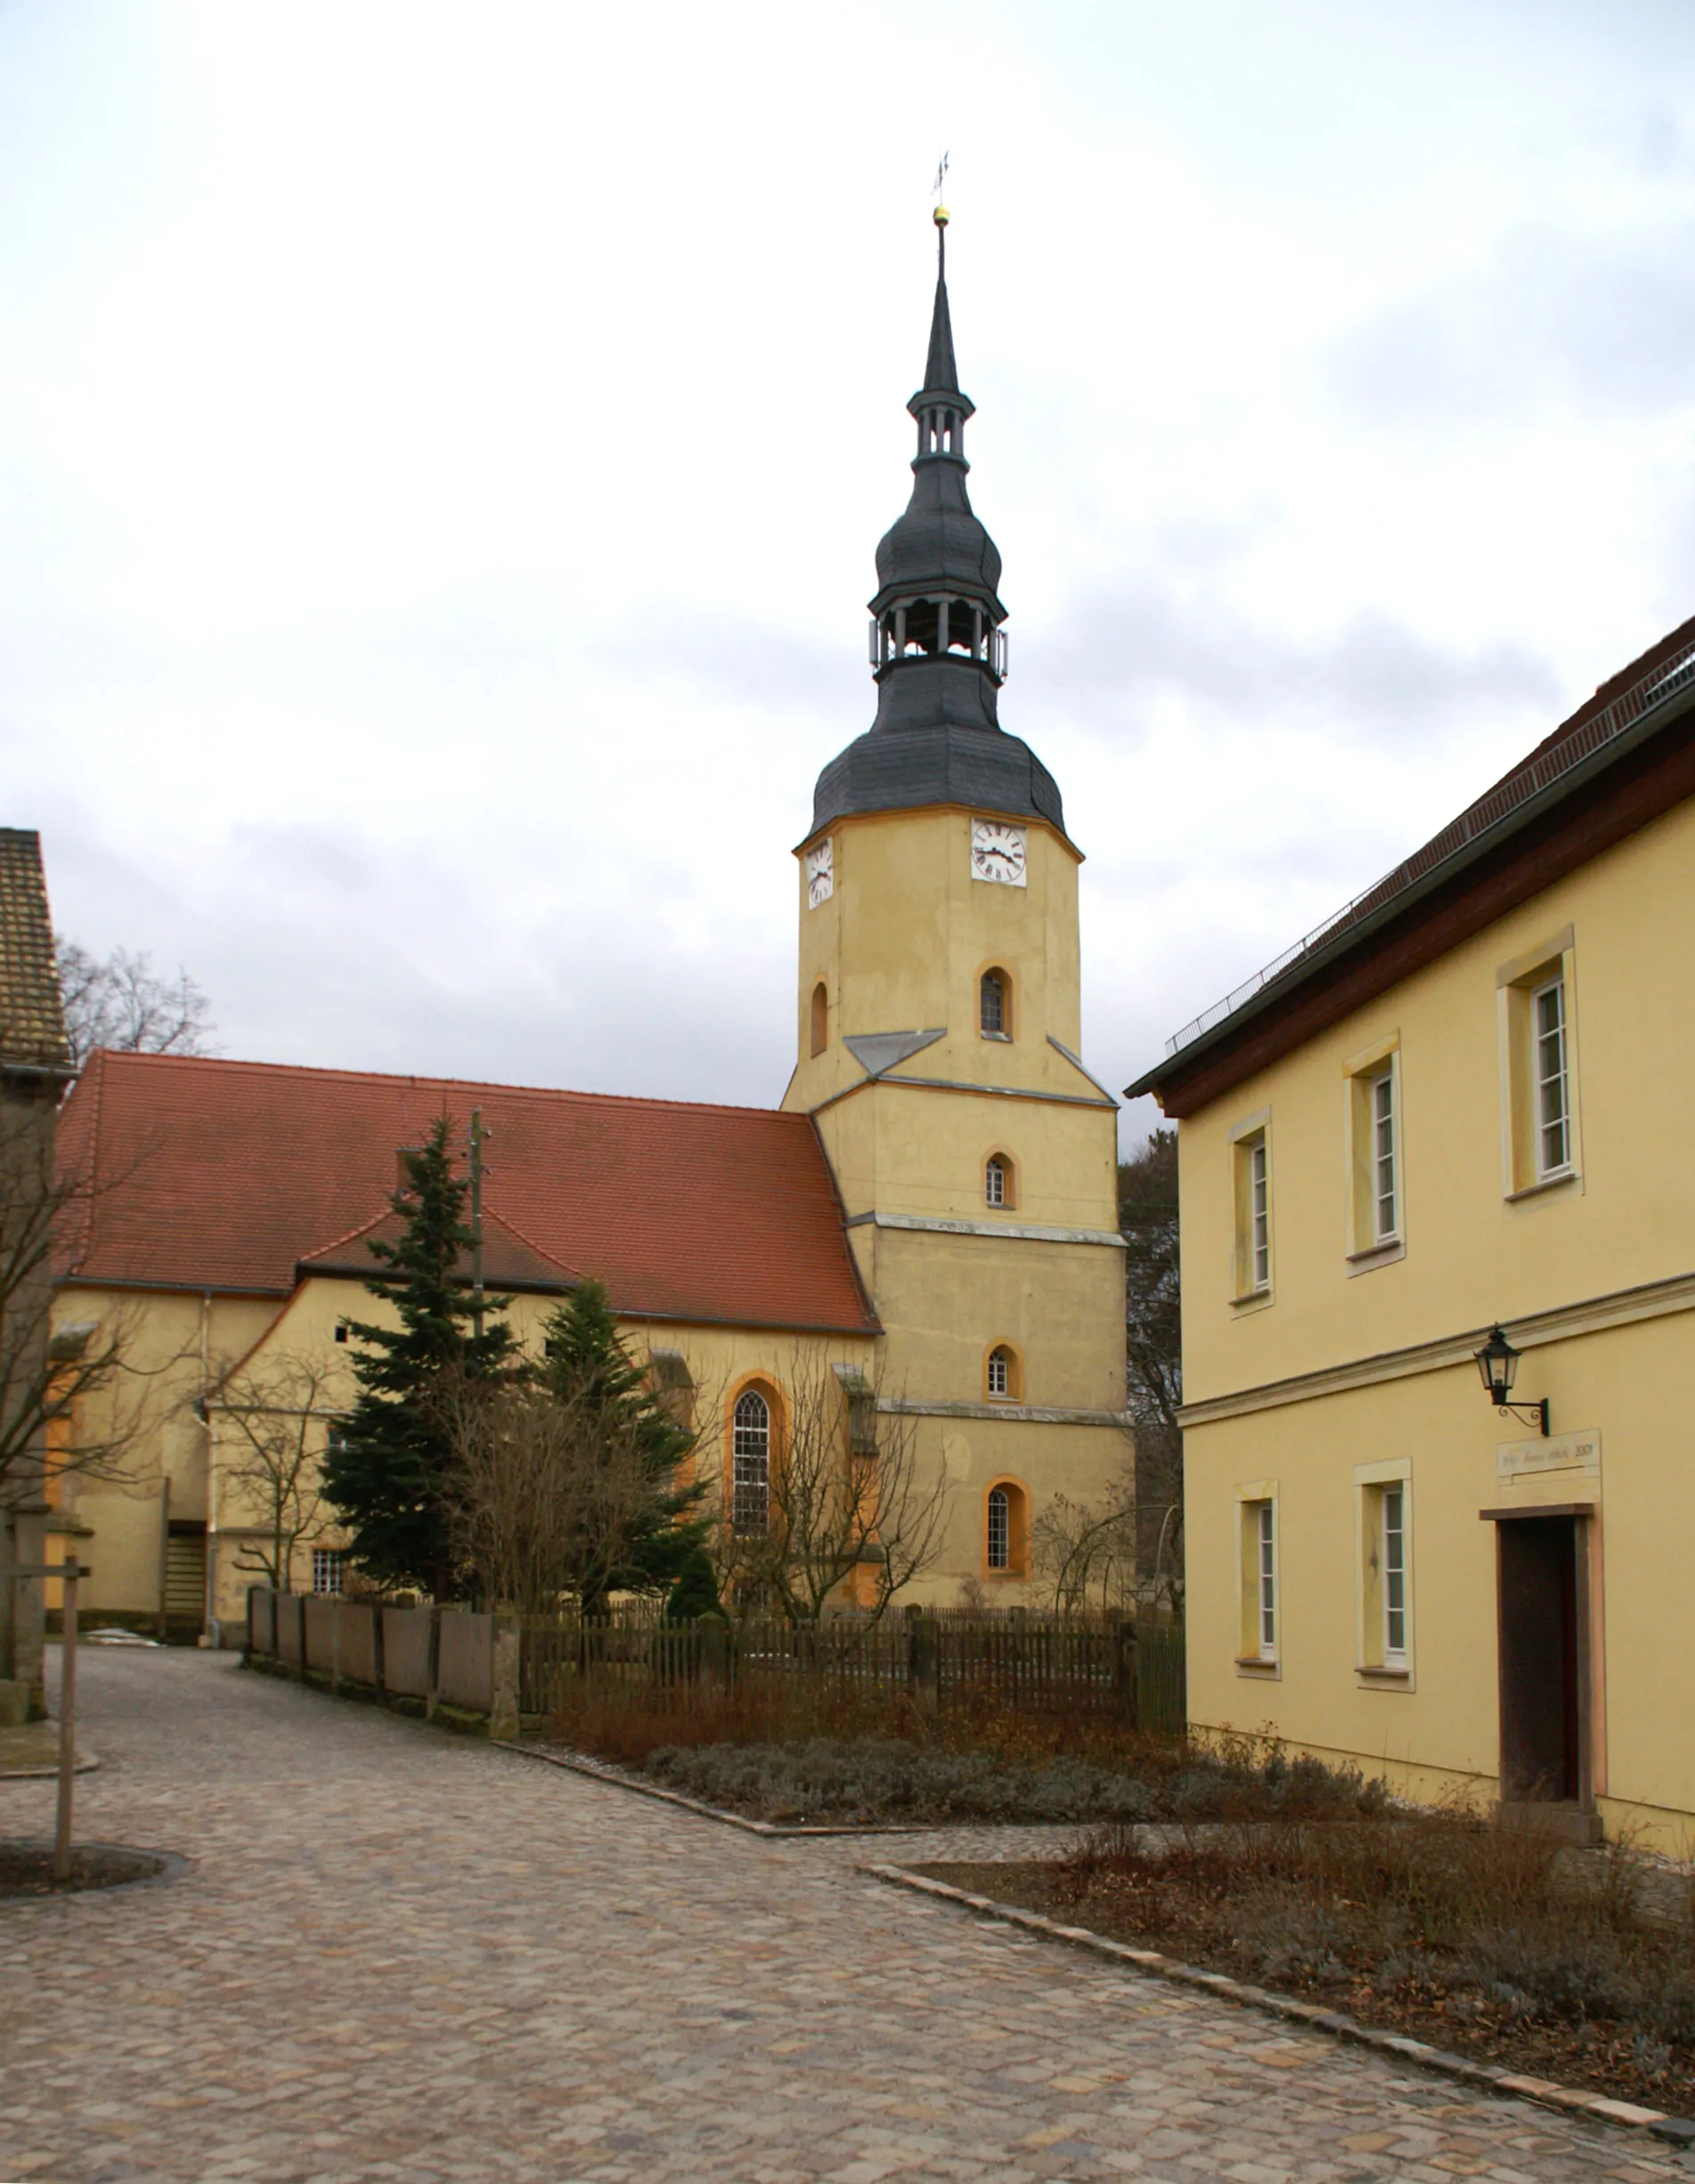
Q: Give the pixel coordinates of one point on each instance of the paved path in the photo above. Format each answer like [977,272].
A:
[402,1956]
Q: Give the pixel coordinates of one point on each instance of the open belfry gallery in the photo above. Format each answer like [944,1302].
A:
[916,1251]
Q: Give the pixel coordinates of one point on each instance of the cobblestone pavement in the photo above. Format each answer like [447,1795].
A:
[402,1956]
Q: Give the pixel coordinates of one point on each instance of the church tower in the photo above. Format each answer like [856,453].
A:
[940,1036]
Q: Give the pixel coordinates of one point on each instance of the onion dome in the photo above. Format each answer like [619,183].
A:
[938,647]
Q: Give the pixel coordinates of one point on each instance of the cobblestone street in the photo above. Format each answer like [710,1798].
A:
[401,1955]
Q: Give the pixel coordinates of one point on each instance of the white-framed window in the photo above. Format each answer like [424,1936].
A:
[1383,1543]
[1392,1535]
[999,1529]
[750,1463]
[1541,1067]
[1385,1159]
[1000,1373]
[994,1005]
[1265,1578]
[994,1183]
[327,1565]
[1258,1642]
[1260,1212]
[1550,1078]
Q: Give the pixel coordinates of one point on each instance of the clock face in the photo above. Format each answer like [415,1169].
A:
[820,874]
[997,852]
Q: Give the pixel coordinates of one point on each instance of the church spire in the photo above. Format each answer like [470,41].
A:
[940,376]
[938,648]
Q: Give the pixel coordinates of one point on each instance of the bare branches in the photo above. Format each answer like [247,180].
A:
[277,1412]
[547,1493]
[849,1498]
[69,1401]
[121,1001]
[1087,1554]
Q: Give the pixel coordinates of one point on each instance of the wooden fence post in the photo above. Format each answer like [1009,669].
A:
[432,1697]
[503,1679]
[924,1662]
[379,1676]
[1126,1689]
[714,1650]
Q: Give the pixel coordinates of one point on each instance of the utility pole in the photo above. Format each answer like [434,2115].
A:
[479,1136]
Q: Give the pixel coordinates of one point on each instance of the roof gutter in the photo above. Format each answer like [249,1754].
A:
[1277,990]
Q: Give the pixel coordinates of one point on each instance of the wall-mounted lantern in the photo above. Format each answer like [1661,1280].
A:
[1498,1363]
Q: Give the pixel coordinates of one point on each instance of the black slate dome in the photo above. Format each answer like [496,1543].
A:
[938,654]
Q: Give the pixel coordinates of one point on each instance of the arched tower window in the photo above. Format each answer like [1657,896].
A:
[750,1463]
[820,1017]
[1006,1530]
[1000,1544]
[997,1188]
[995,1004]
[1003,1380]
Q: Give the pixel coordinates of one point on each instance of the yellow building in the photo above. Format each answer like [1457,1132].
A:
[929,1220]
[1460,1107]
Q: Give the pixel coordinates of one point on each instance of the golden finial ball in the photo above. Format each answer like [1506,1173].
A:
[939,216]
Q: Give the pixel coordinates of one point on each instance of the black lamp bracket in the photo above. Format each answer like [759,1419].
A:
[1531,1412]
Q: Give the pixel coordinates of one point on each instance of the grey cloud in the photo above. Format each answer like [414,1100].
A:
[1606,322]
[1375,676]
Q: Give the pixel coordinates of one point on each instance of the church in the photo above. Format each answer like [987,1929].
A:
[926,1227]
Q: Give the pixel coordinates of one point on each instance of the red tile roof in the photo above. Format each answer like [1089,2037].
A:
[231,1175]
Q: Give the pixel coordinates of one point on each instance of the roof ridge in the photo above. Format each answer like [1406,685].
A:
[220,1062]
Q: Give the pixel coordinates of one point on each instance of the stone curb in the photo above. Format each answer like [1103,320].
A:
[87,1762]
[1487,2077]
[617,1777]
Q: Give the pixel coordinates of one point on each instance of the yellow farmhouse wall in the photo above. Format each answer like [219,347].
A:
[1348,1366]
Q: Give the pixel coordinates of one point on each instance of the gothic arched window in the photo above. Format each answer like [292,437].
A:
[994,1011]
[820,1017]
[750,1463]
[1006,1530]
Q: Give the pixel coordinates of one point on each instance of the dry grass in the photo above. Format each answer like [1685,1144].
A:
[1439,1923]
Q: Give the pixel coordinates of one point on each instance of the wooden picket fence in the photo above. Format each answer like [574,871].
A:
[1129,1672]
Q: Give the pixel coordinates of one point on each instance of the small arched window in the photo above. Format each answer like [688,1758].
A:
[820,1017]
[997,1181]
[750,1463]
[995,1011]
[1002,1374]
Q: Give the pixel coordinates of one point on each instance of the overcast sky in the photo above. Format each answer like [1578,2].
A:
[442,451]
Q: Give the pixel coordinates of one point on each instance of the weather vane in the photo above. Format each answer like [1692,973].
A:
[941,213]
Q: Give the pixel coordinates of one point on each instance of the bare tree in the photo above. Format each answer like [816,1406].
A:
[1147,1196]
[847,1493]
[120,1001]
[547,1493]
[1087,1554]
[280,1411]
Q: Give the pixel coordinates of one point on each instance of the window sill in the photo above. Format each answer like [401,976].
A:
[1396,1679]
[1384,1254]
[1562,1180]
[1005,1038]
[1256,1664]
[1251,1301]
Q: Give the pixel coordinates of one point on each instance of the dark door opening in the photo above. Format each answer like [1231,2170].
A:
[183,1616]
[1543,1648]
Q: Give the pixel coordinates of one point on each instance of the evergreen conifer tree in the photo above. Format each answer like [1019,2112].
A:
[696,1591]
[585,1363]
[384,1471]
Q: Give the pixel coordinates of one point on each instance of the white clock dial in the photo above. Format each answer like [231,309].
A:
[997,852]
[820,874]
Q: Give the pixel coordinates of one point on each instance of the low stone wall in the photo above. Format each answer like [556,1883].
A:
[449,1662]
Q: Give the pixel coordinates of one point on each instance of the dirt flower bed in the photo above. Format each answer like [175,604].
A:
[1575,1966]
